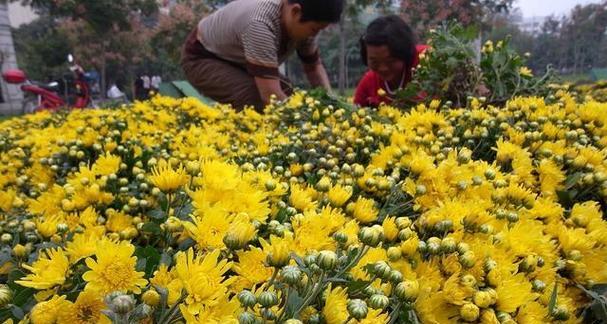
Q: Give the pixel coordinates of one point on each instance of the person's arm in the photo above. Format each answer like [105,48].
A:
[317,75]
[268,87]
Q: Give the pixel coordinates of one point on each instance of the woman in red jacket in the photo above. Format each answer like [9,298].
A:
[389,49]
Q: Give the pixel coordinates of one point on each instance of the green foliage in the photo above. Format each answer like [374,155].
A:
[41,49]
[449,70]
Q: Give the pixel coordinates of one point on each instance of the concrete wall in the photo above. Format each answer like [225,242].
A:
[11,94]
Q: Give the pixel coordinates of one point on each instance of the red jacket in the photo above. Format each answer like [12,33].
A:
[366,91]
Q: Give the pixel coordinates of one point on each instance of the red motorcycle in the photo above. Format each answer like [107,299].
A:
[40,96]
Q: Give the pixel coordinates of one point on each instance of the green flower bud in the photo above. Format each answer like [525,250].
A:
[467,259]
[370,236]
[538,285]
[6,238]
[327,260]
[560,313]
[247,318]
[247,299]
[469,312]
[395,276]
[381,269]
[378,301]
[340,237]
[122,304]
[420,190]
[6,295]
[394,253]
[268,314]
[268,299]
[448,245]
[291,274]
[357,308]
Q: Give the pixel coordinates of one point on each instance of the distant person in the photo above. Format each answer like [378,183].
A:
[155,82]
[389,49]
[139,90]
[147,85]
[233,55]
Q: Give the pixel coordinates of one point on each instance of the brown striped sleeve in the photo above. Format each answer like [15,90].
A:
[260,45]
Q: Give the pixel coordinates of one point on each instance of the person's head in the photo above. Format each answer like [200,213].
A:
[388,47]
[306,18]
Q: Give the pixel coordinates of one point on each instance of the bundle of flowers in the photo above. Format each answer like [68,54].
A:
[171,211]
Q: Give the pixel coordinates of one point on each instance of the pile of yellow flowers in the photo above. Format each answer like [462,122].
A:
[171,211]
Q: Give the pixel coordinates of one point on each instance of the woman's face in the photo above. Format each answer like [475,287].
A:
[380,60]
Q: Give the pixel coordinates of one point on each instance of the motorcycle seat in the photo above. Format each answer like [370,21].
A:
[52,86]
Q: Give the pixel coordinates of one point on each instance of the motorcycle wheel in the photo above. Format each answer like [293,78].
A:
[29,105]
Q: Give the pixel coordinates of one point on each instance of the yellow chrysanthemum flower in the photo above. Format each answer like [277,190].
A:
[50,270]
[107,164]
[48,311]
[87,309]
[168,179]
[202,278]
[339,195]
[113,269]
[335,310]
[364,210]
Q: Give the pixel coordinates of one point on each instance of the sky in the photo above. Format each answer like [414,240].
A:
[531,8]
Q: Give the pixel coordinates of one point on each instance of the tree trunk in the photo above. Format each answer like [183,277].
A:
[103,85]
[342,55]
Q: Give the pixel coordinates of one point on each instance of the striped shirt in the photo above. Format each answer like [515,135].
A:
[250,34]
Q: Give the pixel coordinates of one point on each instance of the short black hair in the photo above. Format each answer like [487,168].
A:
[392,31]
[327,11]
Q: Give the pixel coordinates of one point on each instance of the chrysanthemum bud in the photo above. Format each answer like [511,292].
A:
[378,301]
[122,304]
[490,174]
[538,285]
[340,237]
[467,259]
[469,312]
[448,245]
[323,185]
[407,290]
[402,222]
[291,275]
[395,276]
[483,299]
[19,251]
[293,321]
[357,308]
[468,280]
[560,313]
[381,269]
[370,236]
[151,297]
[326,260]
[6,238]
[247,318]
[247,299]
[6,295]
[394,253]
[268,299]
[420,190]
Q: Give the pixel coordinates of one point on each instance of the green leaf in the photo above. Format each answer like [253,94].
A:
[151,256]
[17,312]
[151,228]
[552,302]
[293,302]
[23,295]
[157,214]
[572,180]
[357,285]
[185,212]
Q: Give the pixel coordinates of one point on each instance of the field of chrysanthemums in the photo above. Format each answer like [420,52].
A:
[170,211]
